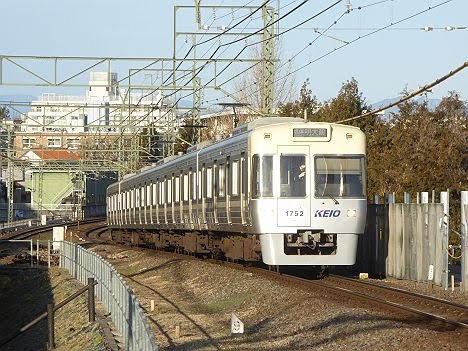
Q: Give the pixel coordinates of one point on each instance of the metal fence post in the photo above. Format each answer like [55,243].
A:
[464,241]
[444,199]
[48,253]
[37,251]
[91,305]
[50,324]
[31,242]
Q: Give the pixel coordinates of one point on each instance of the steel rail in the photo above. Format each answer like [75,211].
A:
[402,291]
[32,231]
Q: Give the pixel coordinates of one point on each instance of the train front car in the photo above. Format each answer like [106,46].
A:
[308,195]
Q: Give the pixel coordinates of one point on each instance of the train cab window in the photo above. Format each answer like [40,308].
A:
[221,181]
[293,176]
[340,176]
[235,178]
[262,176]
[209,183]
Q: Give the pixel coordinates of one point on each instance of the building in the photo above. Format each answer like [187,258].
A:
[104,107]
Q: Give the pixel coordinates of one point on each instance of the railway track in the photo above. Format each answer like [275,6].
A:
[27,233]
[413,307]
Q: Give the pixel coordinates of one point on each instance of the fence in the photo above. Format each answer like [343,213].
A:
[405,241]
[113,292]
[464,239]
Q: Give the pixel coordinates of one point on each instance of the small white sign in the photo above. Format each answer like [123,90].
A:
[237,327]
[430,275]
[43,220]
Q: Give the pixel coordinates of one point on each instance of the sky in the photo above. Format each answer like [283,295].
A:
[383,63]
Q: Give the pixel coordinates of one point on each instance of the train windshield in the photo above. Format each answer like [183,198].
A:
[340,176]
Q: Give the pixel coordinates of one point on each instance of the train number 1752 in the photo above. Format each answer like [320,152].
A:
[291,213]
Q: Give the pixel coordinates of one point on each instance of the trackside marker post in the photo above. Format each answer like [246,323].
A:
[237,327]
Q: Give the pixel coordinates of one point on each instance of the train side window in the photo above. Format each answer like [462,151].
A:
[235,178]
[161,192]
[169,191]
[292,176]
[186,184]
[221,181]
[200,185]
[193,185]
[148,195]
[262,176]
[209,183]
[176,189]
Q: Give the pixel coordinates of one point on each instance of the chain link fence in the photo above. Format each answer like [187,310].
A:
[113,292]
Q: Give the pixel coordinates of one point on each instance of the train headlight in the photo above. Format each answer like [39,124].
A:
[351,213]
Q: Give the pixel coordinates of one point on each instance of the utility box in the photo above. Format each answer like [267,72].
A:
[43,219]
[58,234]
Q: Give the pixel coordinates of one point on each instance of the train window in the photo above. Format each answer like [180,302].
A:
[176,189]
[148,195]
[169,191]
[155,192]
[293,176]
[262,176]
[221,181]
[161,192]
[340,176]
[186,187]
[209,183]
[200,184]
[193,185]
[235,179]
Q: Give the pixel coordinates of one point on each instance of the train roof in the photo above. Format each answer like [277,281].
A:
[236,134]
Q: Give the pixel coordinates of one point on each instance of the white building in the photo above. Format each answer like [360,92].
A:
[103,105]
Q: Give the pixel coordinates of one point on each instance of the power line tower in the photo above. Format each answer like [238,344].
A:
[268,60]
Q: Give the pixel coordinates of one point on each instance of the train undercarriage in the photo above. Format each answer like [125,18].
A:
[211,244]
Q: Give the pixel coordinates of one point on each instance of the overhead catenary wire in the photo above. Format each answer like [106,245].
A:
[409,96]
[430,8]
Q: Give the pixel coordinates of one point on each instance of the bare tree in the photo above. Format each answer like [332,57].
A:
[248,86]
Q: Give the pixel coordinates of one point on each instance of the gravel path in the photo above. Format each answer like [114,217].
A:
[199,297]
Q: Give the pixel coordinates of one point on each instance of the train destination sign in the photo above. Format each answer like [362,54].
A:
[310,132]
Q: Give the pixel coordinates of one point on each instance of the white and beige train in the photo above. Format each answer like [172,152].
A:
[279,190]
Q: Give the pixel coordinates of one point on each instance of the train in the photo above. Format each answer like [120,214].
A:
[282,191]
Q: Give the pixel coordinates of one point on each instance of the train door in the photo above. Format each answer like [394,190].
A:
[294,192]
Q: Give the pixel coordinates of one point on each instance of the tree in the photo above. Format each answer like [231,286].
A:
[249,85]
[4,113]
[306,102]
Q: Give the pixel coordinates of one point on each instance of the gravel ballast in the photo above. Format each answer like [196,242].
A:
[194,301]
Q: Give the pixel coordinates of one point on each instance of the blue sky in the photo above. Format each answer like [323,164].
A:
[384,63]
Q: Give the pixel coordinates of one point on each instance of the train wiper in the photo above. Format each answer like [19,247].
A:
[331,197]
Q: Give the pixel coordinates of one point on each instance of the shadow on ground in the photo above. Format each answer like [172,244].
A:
[24,295]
